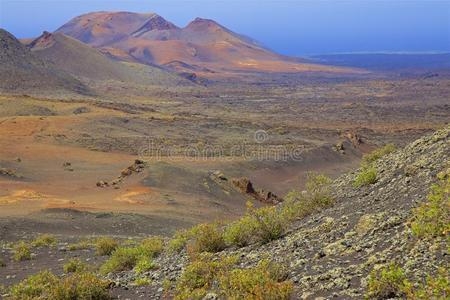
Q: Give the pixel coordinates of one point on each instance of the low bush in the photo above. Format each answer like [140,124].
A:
[437,287]
[38,286]
[138,257]
[105,246]
[241,232]
[376,154]
[206,238]
[390,282]
[318,190]
[75,265]
[2,263]
[366,176]
[198,277]
[46,286]
[220,276]
[80,286]
[386,283]
[271,223]
[122,259]
[432,218]
[144,264]
[265,281]
[44,240]
[142,281]
[81,245]
[21,251]
[152,246]
[178,241]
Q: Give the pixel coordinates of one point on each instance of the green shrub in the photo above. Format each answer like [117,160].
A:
[153,246]
[366,176]
[432,218]
[387,282]
[142,281]
[44,240]
[199,275]
[122,259]
[316,197]
[437,287]
[2,263]
[105,246]
[376,154]
[127,258]
[38,286]
[178,241]
[45,285]
[74,265]
[80,286]
[206,238]
[318,190]
[265,281]
[271,223]
[219,275]
[21,251]
[241,232]
[81,245]
[144,264]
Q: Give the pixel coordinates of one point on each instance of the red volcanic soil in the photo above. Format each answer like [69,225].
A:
[203,43]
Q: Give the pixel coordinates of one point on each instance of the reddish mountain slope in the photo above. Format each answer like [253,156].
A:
[84,61]
[203,45]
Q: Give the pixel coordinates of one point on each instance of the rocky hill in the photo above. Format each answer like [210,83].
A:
[21,70]
[331,253]
[380,232]
[83,61]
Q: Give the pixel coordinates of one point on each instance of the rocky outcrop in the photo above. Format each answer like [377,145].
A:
[245,186]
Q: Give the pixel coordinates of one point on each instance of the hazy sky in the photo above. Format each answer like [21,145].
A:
[293,27]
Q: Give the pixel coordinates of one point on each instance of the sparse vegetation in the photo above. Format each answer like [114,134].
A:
[200,274]
[46,285]
[36,286]
[123,258]
[432,218]
[153,246]
[366,176]
[44,240]
[2,263]
[206,238]
[178,241]
[144,264]
[391,282]
[368,172]
[387,282]
[105,246]
[138,257]
[257,225]
[21,251]
[265,281]
[437,287]
[81,245]
[74,265]
[376,154]
[142,281]
[241,232]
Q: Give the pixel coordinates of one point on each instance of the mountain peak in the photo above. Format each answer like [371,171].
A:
[45,40]
[155,22]
[202,24]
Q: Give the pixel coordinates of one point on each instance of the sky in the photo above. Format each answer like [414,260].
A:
[291,27]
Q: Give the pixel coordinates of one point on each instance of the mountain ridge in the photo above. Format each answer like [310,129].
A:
[204,43]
